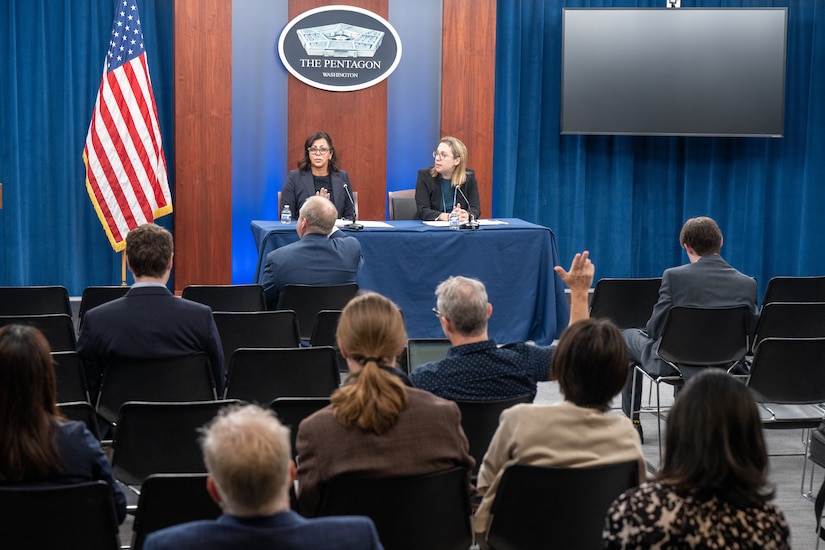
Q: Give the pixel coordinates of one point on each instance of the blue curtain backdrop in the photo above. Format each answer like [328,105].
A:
[51,61]
[625,198]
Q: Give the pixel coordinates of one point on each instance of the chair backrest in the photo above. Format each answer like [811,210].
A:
[308,300]
[65,516]
[81,411]
[160,438]
[789,370]
[227,297]
[94,296]
[256,329]
[261,375]
[627,302]
[402,204]
[424,511]
[704,337]
[324,333]
[70,377]
[292,410]
[795,289]
[185,378]
[58,328]
[790,320]
[480,421]
[171,499]
[544,507]
[34,300]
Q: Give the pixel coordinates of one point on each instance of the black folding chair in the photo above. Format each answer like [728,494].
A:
[292,410]
[94,296]
[324,333]
[81,411]
[308,300]
[256,329]
[70,376]
[627,302]
[58,328]
[227,297]
[34,300]
[794,289]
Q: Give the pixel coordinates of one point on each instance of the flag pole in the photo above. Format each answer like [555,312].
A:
[123,268]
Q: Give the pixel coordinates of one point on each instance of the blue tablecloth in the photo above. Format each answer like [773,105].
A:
[406,261]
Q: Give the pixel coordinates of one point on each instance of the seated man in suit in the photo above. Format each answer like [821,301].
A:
[706,282]
[248,457]
[475,367]
[320,257]
[148,321]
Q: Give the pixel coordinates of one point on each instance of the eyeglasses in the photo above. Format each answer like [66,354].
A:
[441,156]
[437,313]
[318,150]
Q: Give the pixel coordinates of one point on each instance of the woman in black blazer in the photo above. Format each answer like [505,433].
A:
[448,184]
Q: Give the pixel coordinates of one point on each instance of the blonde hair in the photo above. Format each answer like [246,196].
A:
[371,332]
[459,151]
[247,452]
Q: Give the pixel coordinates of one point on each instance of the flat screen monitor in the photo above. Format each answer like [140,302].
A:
[674,72]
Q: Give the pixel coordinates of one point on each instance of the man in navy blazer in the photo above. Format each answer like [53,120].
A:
[148,321]
[247,454]
[318,258]
[707,281]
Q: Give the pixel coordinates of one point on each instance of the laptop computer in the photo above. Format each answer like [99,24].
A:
[424,350]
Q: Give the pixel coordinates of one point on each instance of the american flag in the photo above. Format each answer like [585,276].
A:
[125,166]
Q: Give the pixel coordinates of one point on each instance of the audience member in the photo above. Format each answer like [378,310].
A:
[712,490]
[247,454]
[322,256]
[476,368]
[707,281]
[591,367]
[148,322]
[318,174]
[375,426]
[448,185]
[37,445]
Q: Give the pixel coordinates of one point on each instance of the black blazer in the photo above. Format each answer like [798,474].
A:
[300,186]
[428,195]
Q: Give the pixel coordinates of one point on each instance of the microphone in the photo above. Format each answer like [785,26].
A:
[354,226]
[470,223]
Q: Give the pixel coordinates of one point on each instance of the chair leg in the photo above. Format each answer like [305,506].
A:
[659,420]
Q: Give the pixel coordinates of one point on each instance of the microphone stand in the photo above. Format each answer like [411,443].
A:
[353,225]
[471,223]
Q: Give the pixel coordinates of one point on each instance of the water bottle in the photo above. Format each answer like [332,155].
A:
[286,215]
[454,223]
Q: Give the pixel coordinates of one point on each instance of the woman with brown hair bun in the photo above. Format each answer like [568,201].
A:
[37,445]
[376,426]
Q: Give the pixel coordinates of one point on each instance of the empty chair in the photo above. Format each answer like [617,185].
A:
[323,333]
[70,377]
[81,411]
[171,499]
[794,289]
[227,297]
[94,296]
[185,378]
[261,375]
[402,204]
[256,329]
[480,420]
[291,410]
[308,300]
[34,300]
[790,320]
[547,507]
[627,302]
[81,515]
[154,438]
[424,511]
[58,328]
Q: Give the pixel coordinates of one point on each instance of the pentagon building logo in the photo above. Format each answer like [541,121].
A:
[340,48]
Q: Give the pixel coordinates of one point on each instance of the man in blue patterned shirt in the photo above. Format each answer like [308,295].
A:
[475,367]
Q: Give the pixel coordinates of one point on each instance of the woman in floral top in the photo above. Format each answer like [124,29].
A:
[712,491]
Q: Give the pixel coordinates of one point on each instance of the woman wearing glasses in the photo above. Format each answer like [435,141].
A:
[448,184]
[318,174]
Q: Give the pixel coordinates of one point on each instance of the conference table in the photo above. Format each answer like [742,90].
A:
[405,260]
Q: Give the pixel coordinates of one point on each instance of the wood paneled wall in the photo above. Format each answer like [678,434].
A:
[356,122]
[203,142]
[468,73]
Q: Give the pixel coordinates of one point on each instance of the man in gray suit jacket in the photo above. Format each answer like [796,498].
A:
[707,281]
[320,257]
[246,451]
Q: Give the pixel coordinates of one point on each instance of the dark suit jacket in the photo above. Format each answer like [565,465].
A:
[300,186]
[148,322]
[283,531]
[426,438]
[709,283]
[313,260]
[428,196]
